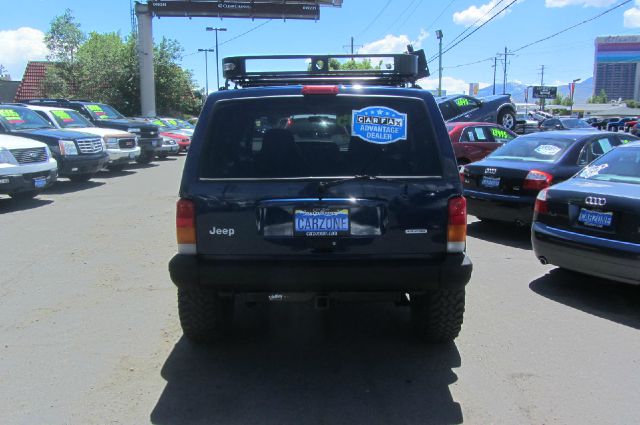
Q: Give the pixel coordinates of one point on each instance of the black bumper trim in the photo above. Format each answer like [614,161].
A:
[25,183]
[84,163]
[454,271]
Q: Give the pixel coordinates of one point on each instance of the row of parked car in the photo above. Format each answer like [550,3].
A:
[43,139]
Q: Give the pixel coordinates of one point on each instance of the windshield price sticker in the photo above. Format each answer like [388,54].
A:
[97,110]
[547,150]
[63,115]
[463,101]
[159,123]
[172,122]
[500,134]
[379,125]
[12,116]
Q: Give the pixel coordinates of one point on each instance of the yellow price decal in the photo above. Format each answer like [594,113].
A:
[63,115]
[94,108]
[9,114]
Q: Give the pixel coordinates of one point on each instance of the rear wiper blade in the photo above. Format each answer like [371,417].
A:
[323,185]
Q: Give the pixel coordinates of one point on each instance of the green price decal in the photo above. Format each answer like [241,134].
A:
[94,108]
[500,134]
[172,122]
[62,115]
[625,141]
[159,123]
[462,101]
[9,114]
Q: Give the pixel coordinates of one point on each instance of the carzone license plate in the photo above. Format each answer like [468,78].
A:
[321,222]
[595,218]
[490,181]
[40,183]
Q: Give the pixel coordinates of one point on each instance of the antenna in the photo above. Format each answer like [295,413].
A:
[134,22]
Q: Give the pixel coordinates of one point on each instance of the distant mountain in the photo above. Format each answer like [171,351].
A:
[584,90]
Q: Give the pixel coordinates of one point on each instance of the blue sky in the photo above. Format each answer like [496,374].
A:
[379,26]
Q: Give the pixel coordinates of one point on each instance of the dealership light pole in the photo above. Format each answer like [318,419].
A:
[571,90]
[217,59]
[206,68]
[439,36]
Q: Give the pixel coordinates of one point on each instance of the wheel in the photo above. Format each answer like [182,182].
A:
[144,157]
[437,315]
[163,155]
[204,315]
[507,119]
[80,178]
[115,168]
[23,196]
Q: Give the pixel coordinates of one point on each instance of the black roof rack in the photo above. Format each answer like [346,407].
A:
[396,70]
[47,101]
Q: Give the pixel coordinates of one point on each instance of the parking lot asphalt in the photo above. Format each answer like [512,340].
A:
[90,333]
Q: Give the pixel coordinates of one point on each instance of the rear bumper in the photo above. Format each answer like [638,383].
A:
[81,164]
[587,254]
[186,271]
[500,207]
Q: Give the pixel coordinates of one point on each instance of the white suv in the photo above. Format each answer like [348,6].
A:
[122,146]
[26,167]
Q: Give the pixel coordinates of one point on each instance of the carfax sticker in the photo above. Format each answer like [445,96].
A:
[547,150]
[379,124]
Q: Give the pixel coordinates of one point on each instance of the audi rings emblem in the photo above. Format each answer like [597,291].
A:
[490,171]
[595,201]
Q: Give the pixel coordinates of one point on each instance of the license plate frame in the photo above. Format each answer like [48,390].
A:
[595,219]
[490,182]
[39,182]
[321,222]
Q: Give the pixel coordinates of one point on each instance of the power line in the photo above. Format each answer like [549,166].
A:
[245,33]
[376,18]
[472,32]
[573,26]
[410,14]
[476,22]
[410,5]
[467,64]
[440,15]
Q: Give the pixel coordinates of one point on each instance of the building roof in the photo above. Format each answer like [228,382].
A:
[8,90]
[32,81]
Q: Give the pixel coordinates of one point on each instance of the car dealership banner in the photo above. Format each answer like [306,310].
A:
[544,92]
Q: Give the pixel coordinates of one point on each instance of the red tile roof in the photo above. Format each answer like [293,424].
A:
[32,81]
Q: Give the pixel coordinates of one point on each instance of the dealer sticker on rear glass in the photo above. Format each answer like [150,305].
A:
[379,124]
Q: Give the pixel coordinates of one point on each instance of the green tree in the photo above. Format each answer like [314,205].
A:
[64,38]
[600,98]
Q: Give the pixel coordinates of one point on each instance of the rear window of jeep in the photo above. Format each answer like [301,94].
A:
[318,136]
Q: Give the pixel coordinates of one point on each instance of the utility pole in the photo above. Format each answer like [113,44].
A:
[542,84]
[495,68]
[206,69]
[504,84]
[439,35]
[352,46]
[217,50]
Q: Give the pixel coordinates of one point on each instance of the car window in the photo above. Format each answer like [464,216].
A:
[537,149]
[575,123]
[449,110]
[45,116]
[17,119]
[500,135]
[474,134]
[620,165]
[550,123]
[313,137]
[70,119]
[466,104]
[596,149]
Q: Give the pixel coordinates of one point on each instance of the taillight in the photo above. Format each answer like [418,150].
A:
[541,206]
[310,90]
[457,228]
[186,226]
[537,180]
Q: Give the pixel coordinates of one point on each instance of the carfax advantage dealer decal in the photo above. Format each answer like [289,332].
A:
[379,124]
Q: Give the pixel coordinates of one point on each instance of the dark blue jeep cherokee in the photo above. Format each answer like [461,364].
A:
[311,187]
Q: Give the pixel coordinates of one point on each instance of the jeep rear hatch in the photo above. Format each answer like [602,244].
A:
[340,176]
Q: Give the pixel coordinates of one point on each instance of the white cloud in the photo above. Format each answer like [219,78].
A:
[632,16]
[17,47]
[583,3]
[450,84]
[393,44]
[479,14]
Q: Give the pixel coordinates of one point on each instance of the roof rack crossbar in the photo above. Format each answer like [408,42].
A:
[397,69]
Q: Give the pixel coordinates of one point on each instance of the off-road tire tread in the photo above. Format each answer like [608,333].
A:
[204,316]
[437,315]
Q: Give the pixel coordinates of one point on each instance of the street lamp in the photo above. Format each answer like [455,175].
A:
[572,88]
[439,37]
[206,67]
[217,60]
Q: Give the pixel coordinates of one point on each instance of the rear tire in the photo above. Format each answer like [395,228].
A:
[163,155]
[24,196]
[437,315]
[204,315]
[81,178]
[507,119]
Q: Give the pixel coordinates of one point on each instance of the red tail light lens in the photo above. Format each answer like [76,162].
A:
[457,229]
[311,90]
[186,226]
[541,206]
[537,180]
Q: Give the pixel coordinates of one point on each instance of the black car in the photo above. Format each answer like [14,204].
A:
[504,185]
[105,116]
[497,109]
[306,187]
[564,124]
[79,155]
[591,223]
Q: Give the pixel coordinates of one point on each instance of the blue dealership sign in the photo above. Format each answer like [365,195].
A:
[379,124]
